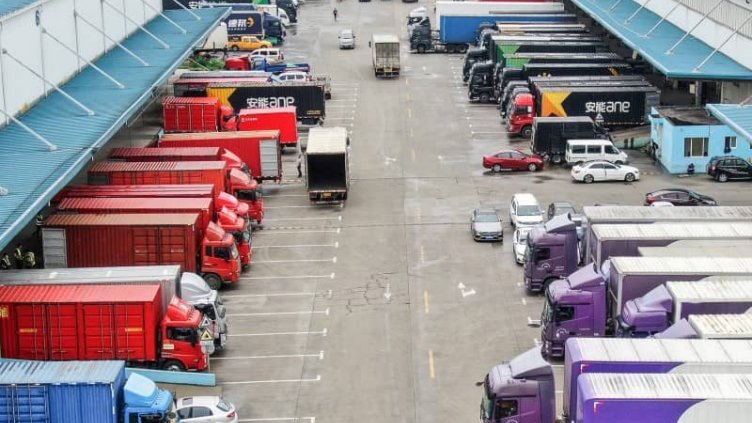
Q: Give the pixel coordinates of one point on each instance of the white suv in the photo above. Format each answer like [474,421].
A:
[580,151]
[272,55]
[525,210]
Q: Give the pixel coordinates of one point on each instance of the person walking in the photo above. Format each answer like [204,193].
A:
[30,260]
[18,256]
[5,263]
[299,164]
[334,12]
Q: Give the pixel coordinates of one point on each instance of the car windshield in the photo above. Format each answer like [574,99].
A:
[533,210]
[522,237]
[486,217]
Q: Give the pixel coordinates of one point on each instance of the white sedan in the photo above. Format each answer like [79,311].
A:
[601,170]
[520,243]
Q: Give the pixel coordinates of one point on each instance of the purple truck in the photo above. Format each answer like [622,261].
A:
[658,309]
[585,303]
[710,326]
[550,253]
[662,398]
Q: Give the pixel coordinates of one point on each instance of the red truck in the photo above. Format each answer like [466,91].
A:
[99,240]
[197,114]
[245,188]
[205,207]
[233,181]
[260,150]
[221,198]
[85,322]
[282,118]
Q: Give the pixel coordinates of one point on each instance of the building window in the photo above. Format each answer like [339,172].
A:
[729,143]
[695,147]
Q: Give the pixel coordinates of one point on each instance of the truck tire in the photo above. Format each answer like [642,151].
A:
[173,366]
[421,48]
[483,98]
[213,281]
[527,132]
[556,159]
[450,48]
[462,48]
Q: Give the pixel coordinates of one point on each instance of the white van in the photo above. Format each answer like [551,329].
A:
[272,54]
[579,151]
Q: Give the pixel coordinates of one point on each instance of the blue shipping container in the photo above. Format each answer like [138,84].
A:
[464,29]
[61,391]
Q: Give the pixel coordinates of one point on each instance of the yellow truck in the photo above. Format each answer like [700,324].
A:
[248,43]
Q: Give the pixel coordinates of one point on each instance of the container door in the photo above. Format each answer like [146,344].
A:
[31,321]
[24,403]
[145,246]
[99,336]
[271,163]
[54,248]
[130,338]
[173,249]
[63,330]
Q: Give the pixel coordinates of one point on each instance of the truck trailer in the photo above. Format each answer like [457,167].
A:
[270,119]
[385,55]
[123,322]
[710,326]
[196,114]
[667,304]
[327,165]
[79,391]
[99,240]
[308,97]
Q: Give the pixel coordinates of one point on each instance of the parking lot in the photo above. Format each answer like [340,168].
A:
[385,309]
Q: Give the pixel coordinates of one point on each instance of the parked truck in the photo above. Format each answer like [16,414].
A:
[549,135]
[710,326]
[327,165]
[205,207]
[262,64]
[260,150]
[196,87]
[123,322]
[308,98]
[667,304]
[587,301]
[196,114]
[385,55]
[174,282]
[81,392]
[268,119]
[97,240]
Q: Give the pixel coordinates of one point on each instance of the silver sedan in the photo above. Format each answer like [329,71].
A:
[485,225]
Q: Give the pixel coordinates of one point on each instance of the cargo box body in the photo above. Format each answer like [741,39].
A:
[157,173]
[99,240]
[307,98]
[196,87]
[190,114]
[608,106]
[260,150]
[137,191]
[281,118]
[189,154]
[76,322]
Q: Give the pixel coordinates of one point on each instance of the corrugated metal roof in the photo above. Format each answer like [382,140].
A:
[651,214]
[327,140]
[674,231]
[264,134]
[82,204]
[726,326]
[175,190]
[690,248]
[7,7]
[155,166]
[387,38]
[190,100]
[127,273]
[12,294]
[683,265]
[144,219]
[715,290]
[667,386]
[738,118]
[30,372]
[31,173]
[166,152]
[661,350]
[622,20]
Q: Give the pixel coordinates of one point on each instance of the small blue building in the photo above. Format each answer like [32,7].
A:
[682,135]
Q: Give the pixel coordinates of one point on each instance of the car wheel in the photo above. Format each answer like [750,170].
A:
[234,48]
[629,177]
[484,98]
[722,177]
[556,159]
[497,168]
[588,179]
[532,167]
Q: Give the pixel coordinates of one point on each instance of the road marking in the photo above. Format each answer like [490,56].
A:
[431,366]
[245,335]
[280,313]
[524,301]
[533,322]
[278,294]
[281,419]
[426,307]
[262,278]
[285,195]
[411,132]
[537,342]
[461,287]
[331,260]
[304,218]
[409,113]
[335,245]
[288,207]
[341,118]
[490,132]
[407,81]
[252,382]
[322,231]
[320,356]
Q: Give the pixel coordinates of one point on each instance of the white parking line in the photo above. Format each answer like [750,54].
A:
[252,382]
[285,195]
[320,356]
[268,278]
[245,335]
[331,260]
[281,419]
[280,313]
[335,245]
[289,207]
[304,218]
[323,231]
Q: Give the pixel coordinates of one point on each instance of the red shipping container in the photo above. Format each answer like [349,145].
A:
[101,240]
[191,114]
[148,154]
[75,322]
[260,150]
[156,173]
[282,118]
[203,206]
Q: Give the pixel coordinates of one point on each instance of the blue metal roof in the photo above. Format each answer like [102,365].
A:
[683,63]
[30,372]
[738,118]
[9,6]
[31,173]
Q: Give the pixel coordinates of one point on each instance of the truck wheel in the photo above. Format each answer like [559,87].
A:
[213,281]
[173,366]
[450,49]
[483,98]
[722,177]
[235,48]
[462,49]
[421,49]
[556,159]
[527,132]
[588,179]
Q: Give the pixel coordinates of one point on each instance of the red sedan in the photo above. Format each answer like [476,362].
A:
[512,160]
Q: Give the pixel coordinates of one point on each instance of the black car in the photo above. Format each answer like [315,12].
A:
[729,167]
[679,197]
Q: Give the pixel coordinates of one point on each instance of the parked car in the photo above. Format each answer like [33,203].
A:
[248,43]
[580,151]
[559,207]
[485,225]
[292,76]
[512,160]
[346,39]
[272,55]
[525,210]
[205,409]
[601,170]
[679,197]
[724,168]
[519,243]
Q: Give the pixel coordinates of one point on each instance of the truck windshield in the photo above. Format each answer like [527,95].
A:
[547,314]
[486,404]
[246,194]
[235,253]
[152,418]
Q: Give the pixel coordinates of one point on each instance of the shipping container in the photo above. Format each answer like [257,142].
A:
[157,173]
[191,114]
[327,165]
[307,98]
[518,60]
[196,87]
[279,118]
[721,326]
[500,48]
[260,150]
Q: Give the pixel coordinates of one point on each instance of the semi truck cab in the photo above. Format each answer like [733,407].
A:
[519,391]
[575,306]
[144,402]
[552,252]
[521,115]
[473,56]
[182,333]
[206,300]
[245,189]
[480,82]
[240,230]
[220,259]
